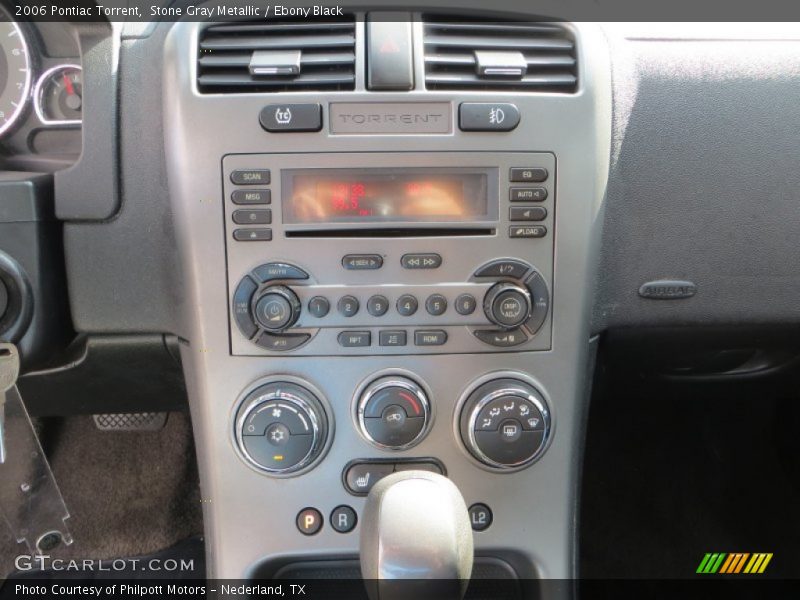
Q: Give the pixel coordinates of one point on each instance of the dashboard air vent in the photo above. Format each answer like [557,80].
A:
[527,57]
[277,56]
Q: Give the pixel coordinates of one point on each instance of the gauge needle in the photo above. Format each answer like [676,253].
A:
[69,86]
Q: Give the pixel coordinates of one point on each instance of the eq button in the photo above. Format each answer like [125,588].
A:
[535,174]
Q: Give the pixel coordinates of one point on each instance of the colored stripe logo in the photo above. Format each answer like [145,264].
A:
[734,563]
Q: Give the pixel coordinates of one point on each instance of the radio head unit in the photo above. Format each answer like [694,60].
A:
[389,253]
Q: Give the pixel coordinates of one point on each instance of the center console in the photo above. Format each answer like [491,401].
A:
[363,302]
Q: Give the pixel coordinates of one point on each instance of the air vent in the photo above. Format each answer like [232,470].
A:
[528,57]
[277,56]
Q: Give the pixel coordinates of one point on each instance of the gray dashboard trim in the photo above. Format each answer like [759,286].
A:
[576,128]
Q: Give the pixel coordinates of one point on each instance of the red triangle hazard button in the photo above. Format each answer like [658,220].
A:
[389,46]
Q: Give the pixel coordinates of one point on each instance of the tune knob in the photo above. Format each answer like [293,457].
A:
[507,305]
[281,427]
[505,423]
[393,412]
[277,308]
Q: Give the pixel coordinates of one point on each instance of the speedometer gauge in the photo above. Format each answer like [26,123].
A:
[15,72]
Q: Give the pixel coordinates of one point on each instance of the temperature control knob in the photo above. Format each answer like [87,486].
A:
[505,423]
[277,308]
[393,412]
[281,427]
[507,305]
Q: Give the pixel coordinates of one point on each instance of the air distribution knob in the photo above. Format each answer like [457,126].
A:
[393,412]
[507,305]
[505,423]
[277,308]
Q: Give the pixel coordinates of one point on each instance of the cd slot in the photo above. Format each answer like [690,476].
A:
[392,233]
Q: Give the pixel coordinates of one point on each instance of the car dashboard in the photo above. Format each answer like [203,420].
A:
[385,241]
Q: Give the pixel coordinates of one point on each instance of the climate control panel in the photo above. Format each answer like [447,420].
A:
[279,307]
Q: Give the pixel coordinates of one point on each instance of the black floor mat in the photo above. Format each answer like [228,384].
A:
[674,471]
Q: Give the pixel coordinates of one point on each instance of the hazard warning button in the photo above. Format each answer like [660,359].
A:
[389,64]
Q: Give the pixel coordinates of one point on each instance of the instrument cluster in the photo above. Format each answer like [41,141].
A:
[41,89]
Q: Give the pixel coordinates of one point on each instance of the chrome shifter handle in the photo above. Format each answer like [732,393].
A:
[416,539]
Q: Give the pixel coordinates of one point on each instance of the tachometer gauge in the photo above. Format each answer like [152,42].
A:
[58,96]
[15,72]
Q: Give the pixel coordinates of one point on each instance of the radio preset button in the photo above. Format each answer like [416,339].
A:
[319,306]
[256,234]
[527,213]
[436,304]
[377,306]
[527,231]
[534,174]
[421,261]
[432,337]
[527,194]
[250,176]
[360,262]
[251,197]
[355,339]
[348,306]
[465,304]
[407,305]
[392,338]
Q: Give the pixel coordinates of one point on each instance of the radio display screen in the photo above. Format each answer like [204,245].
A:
[373,195]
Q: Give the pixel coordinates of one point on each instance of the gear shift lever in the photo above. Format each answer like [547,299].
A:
[416,539]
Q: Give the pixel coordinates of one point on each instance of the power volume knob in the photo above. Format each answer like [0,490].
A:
[507,305]
[277,308]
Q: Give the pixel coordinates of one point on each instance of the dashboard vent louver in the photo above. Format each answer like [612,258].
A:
[526,57]
[277,56]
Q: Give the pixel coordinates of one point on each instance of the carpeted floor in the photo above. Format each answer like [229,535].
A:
[672,473]
[128,493]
